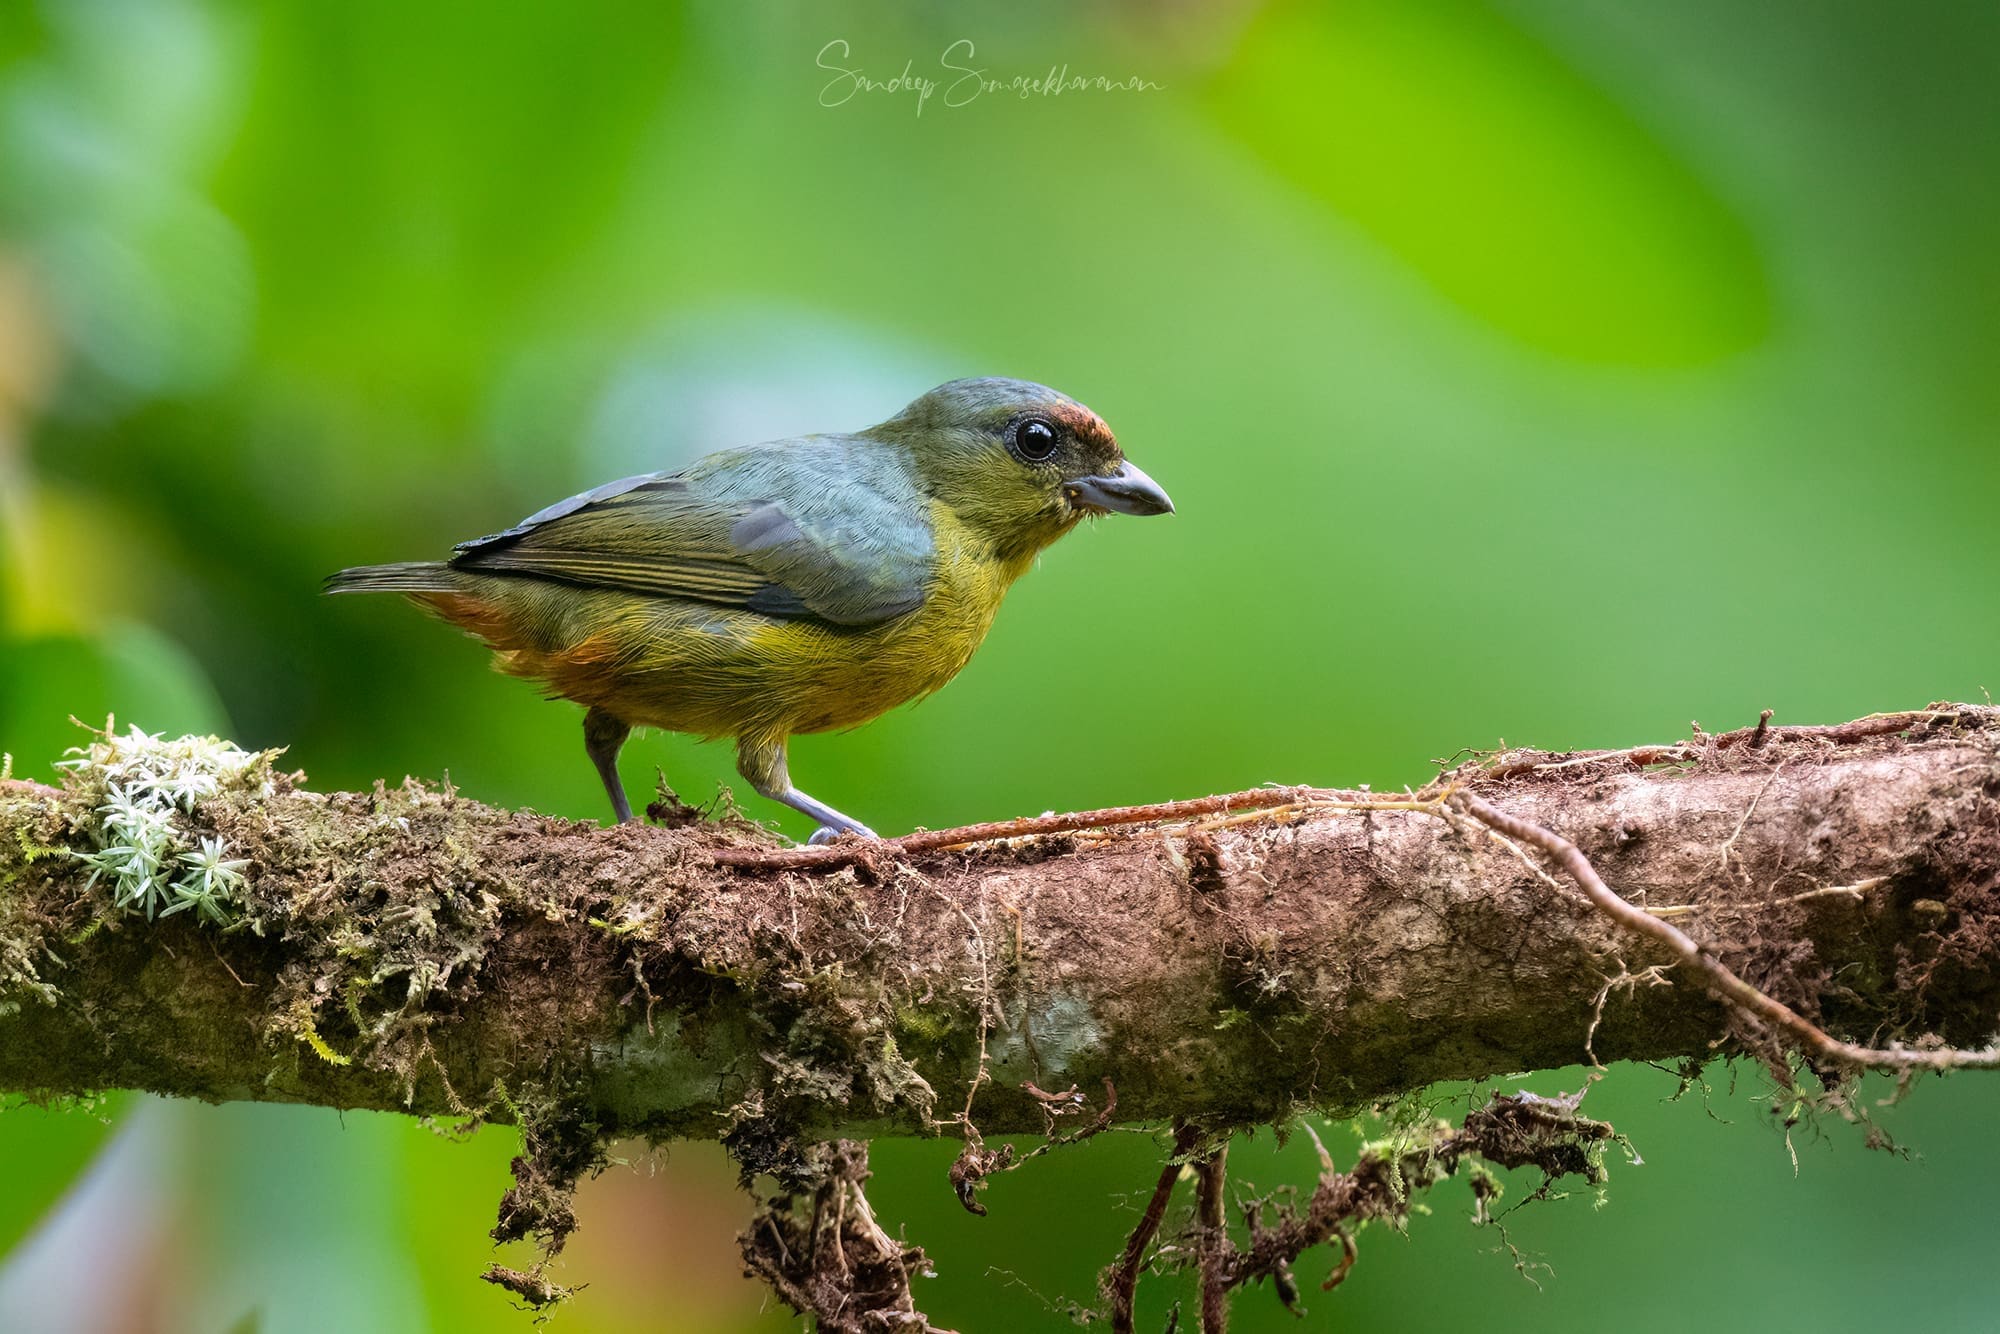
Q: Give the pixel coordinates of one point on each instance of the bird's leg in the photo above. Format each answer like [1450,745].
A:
[602,737]
[763,763]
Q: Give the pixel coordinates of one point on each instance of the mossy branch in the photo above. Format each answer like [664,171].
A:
[1221,962]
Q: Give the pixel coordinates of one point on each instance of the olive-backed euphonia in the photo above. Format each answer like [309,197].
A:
[789,587]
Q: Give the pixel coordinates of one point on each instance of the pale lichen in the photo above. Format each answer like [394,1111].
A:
[144,792]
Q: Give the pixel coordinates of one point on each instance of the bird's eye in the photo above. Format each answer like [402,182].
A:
[1035,439]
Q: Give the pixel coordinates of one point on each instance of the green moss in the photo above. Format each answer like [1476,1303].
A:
[921,1026]
[31,851]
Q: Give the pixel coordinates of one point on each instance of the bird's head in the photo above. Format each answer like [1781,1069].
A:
[1019,462]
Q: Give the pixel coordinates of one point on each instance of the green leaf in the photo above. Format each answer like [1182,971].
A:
[1521,189]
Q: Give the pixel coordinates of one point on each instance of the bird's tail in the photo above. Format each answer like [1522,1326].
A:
[410,576]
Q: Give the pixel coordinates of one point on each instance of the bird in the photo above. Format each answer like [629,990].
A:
[802,585]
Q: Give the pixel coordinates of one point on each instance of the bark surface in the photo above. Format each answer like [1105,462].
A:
[410,950]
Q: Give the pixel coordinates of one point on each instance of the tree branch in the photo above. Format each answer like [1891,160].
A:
[1222,961]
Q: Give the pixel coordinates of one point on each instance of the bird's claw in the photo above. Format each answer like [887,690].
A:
[827,833]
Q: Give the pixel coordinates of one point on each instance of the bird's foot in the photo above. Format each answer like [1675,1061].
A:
[827,833]
[832,824]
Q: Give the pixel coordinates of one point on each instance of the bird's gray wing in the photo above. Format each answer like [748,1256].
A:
[829,529]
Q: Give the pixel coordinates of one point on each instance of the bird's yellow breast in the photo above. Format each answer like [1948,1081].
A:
[716,671]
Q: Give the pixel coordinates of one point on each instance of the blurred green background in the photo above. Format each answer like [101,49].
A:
[1551,370]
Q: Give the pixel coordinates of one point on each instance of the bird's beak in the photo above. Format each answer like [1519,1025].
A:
[1123,490]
